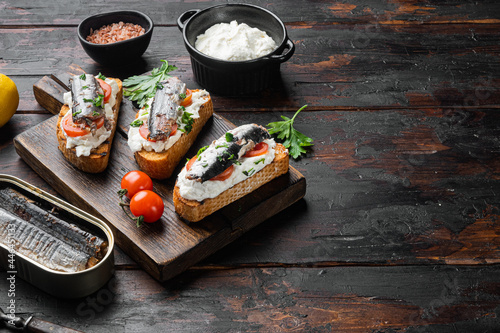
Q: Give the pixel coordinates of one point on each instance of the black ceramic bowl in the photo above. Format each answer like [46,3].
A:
[119,52]
[235,77]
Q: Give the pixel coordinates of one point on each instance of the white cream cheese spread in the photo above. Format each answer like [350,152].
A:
[234,42]
[248,166]
[135,140]
[85,143]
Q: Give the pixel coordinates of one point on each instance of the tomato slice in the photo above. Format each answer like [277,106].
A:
[75,130]
[107,89]
[259,149]
[225,174]
[190,163]
[148,204]
[188,100]
[135,181]
[144,132]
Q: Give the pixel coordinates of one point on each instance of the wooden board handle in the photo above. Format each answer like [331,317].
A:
[49,89]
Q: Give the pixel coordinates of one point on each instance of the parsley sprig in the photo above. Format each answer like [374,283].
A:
[140,88]
[293,139]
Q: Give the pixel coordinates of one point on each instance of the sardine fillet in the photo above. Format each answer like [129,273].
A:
[39,245]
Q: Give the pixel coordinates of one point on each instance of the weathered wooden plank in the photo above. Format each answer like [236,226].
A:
[55,12]
[346,299]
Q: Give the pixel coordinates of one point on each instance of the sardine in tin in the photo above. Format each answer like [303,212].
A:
[54,282]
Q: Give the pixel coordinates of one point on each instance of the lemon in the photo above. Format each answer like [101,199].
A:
[9,99]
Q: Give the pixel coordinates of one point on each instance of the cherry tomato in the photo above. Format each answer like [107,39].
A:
[259,149]
[75,130]
[144,131]
[188,100]
[225,174]
[135,181]
[190,163]
[107,90]
[147,204]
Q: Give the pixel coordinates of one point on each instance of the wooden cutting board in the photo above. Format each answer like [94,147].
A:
[171,245]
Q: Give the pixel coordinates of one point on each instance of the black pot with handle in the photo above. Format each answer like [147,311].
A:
[235,77]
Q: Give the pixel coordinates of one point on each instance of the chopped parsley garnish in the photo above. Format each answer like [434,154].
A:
[182,96]
[100,76]
[85,87]
[205,165]
[293,139]
[261,160]
[237,162]
[201,150]
[76,113]
[188,121]
[140,88]
[229,137]
[220,158]
[98,101]
[136,123]
[249,172]
[83,77]
[95,113]
[221,146]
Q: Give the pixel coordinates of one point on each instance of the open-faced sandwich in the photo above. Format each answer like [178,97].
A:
[166,127]
[87,121]
[234,165]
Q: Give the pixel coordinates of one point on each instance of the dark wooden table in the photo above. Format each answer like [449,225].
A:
[400,226]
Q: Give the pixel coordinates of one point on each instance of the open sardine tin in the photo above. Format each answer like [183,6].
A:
[54,282]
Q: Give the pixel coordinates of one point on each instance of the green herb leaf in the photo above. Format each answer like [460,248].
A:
[83,77]
[140,88]
[98,101]
[100,76]
[249,172]
[85,87]
[292,139]
[229,137]
[188,121]
[201,150]
[76,113]
[261,160]
[136,123]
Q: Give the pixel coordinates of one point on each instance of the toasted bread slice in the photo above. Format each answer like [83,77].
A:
[161,165]
[98,159]
[195,211]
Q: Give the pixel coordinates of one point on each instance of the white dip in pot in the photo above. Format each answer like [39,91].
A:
[234,42]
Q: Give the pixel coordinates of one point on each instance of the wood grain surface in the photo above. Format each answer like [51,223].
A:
[399,228]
